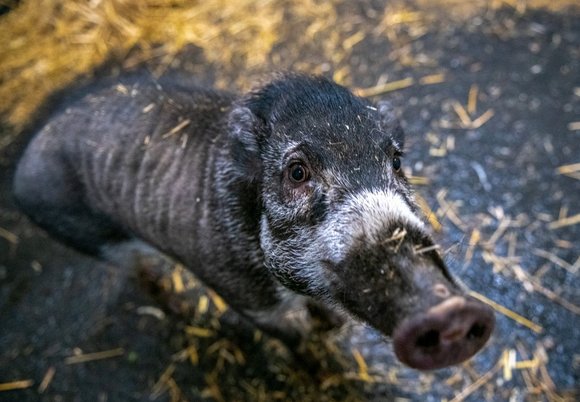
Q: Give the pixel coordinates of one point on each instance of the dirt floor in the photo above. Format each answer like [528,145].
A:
[490,100]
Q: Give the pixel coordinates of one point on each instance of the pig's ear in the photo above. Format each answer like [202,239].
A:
[244,130]
[390,122]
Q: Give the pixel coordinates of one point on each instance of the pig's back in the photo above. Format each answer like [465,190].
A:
[141,151]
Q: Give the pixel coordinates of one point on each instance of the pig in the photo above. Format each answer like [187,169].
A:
[289,193]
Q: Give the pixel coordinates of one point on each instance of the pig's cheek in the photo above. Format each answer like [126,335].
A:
[297,195]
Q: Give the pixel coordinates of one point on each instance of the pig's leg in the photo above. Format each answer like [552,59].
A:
[288,321]
[324,318]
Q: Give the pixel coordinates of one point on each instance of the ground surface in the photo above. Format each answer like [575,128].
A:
[493,183]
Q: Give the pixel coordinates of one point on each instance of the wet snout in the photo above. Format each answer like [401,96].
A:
[446,334]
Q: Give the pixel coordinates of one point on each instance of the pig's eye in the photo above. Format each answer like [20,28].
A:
[298,173]
[396,164]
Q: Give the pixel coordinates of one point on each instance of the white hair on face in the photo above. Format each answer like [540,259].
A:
[366,215]
[378,208]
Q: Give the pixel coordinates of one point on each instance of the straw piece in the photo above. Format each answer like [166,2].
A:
[512,244]
[399,234]
[481,120]
[162,383]
[560,223]
[9,236]
[567,169]
[177,128]
[477,384]
[555,259]
[202,305]
[148,108]
[473,242]
[438,152]
[13,385]
[432,79]
[572,170]
[555,297]
[527,364]
[331,381]
[199,332]
[455,378]
[449,210]
[174,391]
[418,180]
[502,227]
[212,390]
[507,312]
[461,113]
[353,40]
[450,142]
[226,350]
[428,212]
[385,88]
[218,302]
[472,99]
[526,373]
[193,355]
[363,368]
[508,362]
[424,250]
[107,354]
[177,280]
[563,212]
[576,265]
[46,380]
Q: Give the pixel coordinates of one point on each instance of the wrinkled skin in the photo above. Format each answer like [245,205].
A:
[292,192]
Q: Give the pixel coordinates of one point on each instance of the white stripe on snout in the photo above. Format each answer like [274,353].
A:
[366,215]
[378,209]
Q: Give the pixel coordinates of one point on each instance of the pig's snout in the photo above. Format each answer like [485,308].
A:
[446,334]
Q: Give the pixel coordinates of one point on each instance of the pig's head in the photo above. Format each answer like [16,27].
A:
[339,222]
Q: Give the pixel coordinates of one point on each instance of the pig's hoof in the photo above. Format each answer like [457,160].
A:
[153,273]
[447,334]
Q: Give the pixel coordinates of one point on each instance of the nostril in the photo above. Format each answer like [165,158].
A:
[448,333]
[429,339]
[477,330]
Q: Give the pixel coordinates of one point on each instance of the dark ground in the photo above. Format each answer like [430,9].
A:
[499,179]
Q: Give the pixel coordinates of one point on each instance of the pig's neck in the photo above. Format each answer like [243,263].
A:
[186,199]
[213,219]
[237,212]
